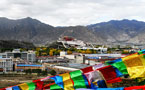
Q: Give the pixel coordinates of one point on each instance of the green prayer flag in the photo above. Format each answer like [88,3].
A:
[119,64]
[31,86]
[121,67]
[78,79]
[76,73]
[140,52]
[55,87]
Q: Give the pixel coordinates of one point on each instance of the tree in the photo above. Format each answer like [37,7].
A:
[44,73]
[83,51]
[51,53]
[88,51]
[69,52]
[28,71]
[52,72]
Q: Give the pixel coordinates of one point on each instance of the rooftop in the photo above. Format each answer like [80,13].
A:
[29,65]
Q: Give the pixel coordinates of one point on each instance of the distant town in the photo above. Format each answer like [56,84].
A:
[67,54]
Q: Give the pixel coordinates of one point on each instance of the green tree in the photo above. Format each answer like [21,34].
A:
[44,73]
[52,72]
[28,71]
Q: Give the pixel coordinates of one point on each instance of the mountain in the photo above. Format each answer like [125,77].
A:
[32,30]
[27,29]
[121,31]
[9,44]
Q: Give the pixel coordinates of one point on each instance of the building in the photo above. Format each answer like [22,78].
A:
[69,42]
[28,56]
[73,58]
[22,67]
[69,67]
[6,64]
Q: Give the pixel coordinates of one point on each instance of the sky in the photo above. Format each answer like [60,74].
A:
[73,12]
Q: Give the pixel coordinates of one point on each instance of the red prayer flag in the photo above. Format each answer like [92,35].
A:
[87,69]
[135,88]
[38,80]
[39,84]
[109,74]
[118,79]
[3,89]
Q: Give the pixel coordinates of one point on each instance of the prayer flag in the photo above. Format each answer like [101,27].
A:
[16,88]
[109,74]
[135,65]
[31,86]
[120,88]
[39,84]
[119,64]
[141,52]
[58,80]
[10,88]
[95,67]
[24,86]
[93,76]
[87,69]
[78,79]
[101,84]
[55,87]
[135,88]
[68,83]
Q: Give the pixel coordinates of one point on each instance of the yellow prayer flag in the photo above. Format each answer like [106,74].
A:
[109,85]
[65,76]
[142,57]
[132,60]
[68,84]
[95,83]
[135,65]
[24,86]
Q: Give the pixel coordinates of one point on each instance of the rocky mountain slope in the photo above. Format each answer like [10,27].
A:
[124,31]
[9,44]
[32,30]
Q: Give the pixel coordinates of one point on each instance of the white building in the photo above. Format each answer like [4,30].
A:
[68,42]
[75,58]
[29,56]
[6,64]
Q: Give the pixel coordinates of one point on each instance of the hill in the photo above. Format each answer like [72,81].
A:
[32,30]
[10,44]
[123,31]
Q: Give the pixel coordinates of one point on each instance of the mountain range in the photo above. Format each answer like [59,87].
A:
[32,30]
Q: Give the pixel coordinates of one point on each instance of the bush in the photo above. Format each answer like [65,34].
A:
[52,72]
[44,73]
[28,71]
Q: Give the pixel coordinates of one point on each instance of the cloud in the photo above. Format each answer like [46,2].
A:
[73,12]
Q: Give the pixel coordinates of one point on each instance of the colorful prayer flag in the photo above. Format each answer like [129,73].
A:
[16,88]
[31,86]
[93,76]
[68,83]
[141,52]
[119,64]
[87,69]
[10,88]
[78,79]
[95,67]
[58,80]
[109,74]
[24,86]
[135,65]
[120,88]
[135,88]
[55,87]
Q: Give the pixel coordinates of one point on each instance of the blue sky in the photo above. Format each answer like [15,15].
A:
[73,12]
